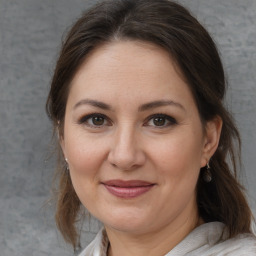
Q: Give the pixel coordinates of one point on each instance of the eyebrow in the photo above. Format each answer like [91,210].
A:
[144,107]
[160,103]
[93,103]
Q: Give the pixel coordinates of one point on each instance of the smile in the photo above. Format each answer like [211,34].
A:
[127,189]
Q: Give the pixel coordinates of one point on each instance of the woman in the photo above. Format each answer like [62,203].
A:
[136,101]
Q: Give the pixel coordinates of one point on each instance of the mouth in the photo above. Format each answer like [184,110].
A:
[128,189]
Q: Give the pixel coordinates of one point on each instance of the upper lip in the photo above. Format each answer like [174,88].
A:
[127,183]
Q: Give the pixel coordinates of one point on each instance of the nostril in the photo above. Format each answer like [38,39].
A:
[126,163]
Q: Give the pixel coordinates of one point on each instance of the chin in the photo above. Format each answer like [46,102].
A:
[131,223]
[131,228]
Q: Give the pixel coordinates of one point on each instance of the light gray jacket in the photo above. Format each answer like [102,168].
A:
[209,239]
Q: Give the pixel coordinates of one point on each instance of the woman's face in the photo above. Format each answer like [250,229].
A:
[133,138]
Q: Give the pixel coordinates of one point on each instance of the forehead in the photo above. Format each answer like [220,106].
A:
[122,55]
[129,68]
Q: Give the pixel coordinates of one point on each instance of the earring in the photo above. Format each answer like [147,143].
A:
[207,176]
[66,165]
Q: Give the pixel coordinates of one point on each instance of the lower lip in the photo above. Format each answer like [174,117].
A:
[128,192]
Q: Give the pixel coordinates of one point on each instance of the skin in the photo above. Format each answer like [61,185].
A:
[128,144]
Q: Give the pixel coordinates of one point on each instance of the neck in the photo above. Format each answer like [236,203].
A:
[153,243]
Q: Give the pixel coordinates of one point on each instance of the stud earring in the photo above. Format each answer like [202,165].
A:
[66,165]
[207,176]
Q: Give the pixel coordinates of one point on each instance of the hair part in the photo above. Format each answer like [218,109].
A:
[170,26]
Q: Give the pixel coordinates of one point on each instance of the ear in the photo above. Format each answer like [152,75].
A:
[211,139]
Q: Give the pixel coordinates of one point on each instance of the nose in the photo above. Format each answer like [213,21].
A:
[126,151]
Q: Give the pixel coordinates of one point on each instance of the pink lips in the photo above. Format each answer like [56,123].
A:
[127,189]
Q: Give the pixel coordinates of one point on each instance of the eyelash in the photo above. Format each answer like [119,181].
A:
[85,120]
[168,120]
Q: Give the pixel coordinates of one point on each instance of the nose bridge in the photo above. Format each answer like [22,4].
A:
[125,135]
[125,152]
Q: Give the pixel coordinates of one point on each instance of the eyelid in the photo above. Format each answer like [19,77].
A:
[84,120]
[172,120]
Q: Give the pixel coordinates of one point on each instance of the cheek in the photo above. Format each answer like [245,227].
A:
[84,155]
[85,159]
[179,158]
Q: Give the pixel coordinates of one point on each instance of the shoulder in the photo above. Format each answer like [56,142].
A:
[211,239]
[242,245]
[218,243]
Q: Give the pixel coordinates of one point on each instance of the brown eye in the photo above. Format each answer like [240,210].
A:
[95,120]
[98,120]
[159,121]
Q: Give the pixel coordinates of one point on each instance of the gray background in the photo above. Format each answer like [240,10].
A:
[30,36]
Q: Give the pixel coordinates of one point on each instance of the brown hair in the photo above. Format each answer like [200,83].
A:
[172,27]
